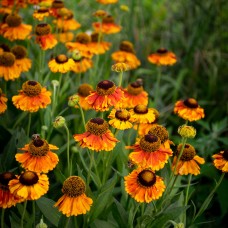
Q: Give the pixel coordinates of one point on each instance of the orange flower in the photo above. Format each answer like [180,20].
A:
[84,91]
[105,2]
[9,70]
[21,61]
[44,38]
[81,45]
[3,100]
[64,36]
[37,156]
[189,109]
[120,119]
[149,152]
[188,163]
[82,65]
[61,64]
[105,96]
[32,97]
[107,26]
[74,201]
[13,29]
[11,3]
[144,185]
[126,54]
[134,95]
[97,45]
[29,185]
[162,57]
[221,160]
[40,14]
[7,199]
[97,136]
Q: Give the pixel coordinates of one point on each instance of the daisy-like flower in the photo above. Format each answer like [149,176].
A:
[10,3]
[29,185]
[65,36]
[221,160]
[3,100]
[84,90]
[105,2]
[120,119]
[162,57]
[107,26]
[41,13]
[97,136]
[106,95]
[55,7]
[81,45]
[74,200]
[135,94]
[189,109]
[126,54]
[97,45]
[32,97]
[189,161]
[144,185]
[38,156]
[61,64]
[7,199]
[13,29]
[21,61]
[149,152]
[142,114]
[44,38]
[9,70]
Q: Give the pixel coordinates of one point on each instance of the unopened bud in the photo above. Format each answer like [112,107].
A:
[73,100]
[59,122]
[120,67]
[55,83]
[41,224]
[187,131]
[124,8]
[76,55]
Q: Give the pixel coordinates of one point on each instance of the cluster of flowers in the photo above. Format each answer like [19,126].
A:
[151,150]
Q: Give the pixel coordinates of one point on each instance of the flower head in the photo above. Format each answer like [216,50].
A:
[84,90]
[59,122]
[188,163]
[41,13]
[29,185]
[32,97]
[187,131]
[106,95]
[74,200]
[38,156]
[221,160]
[189,109]
[97,136]
[162,57]
[105,2]
[144,185]
[3,100]
[120,67]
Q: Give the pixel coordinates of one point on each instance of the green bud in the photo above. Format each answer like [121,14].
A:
[59,122]
[73,100]
[41,224]
[76,55]
[187,131]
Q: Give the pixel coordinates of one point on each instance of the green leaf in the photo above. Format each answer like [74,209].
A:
[65,222]
[102,224]
[49,211]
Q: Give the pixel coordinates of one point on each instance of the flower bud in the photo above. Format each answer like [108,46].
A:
[73,100]
[44,128]
[41,224]
[179,225]
[187,131]
[76,55]
[55,83]
[59,122]
[120,67]
[124,8]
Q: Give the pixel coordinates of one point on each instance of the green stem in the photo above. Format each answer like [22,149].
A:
[68,151]
[157,89]
[2,218]
[23,214]
[60,82]
[29,124]
[83,116]
[120,78]
[90,167]
[134,213]
[54,100]
[202,208]
[34,212]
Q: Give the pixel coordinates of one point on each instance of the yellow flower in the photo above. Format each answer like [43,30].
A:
[3,100]
[221,160]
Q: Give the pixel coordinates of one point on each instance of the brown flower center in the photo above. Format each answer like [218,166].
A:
[38,147]
[105,87]
[61,59]
[100,13]
[108,19]
[28,178]
[43,29]
[150,143]
[5,47]
[225,155]
[43,10]
[73,186]
[127,46]
[84,90]
[83,38]
[141,109]
[162,51]
[146,178]
[19,52]
[5,178]
[13,20]
[57,4]
[122,115]
[95,37]
[160,132]
[7,59]
[97,126]
[191,103]
[134,88]
[188,152]
[31,88]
